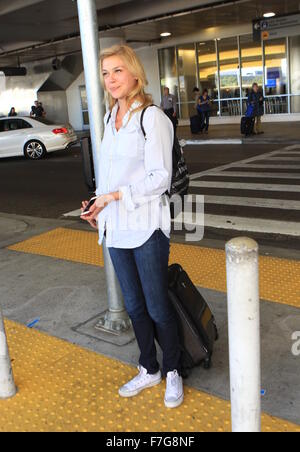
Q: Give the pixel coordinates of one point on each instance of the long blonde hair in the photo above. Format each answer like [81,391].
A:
[135,67]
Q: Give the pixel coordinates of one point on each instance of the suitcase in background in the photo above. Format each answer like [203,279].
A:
[197,326]
[247,125]
[196,123]
[88,164]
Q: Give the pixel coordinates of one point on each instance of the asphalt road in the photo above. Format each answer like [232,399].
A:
[53,186]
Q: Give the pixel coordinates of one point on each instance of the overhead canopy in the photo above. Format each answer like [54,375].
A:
[32,30]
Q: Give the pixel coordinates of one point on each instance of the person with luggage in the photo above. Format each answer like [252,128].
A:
[256,101]
[196,95]
[169,106]
[203,108]
[132,211]
[196,120]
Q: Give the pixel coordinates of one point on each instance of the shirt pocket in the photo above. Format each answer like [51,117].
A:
[129,145]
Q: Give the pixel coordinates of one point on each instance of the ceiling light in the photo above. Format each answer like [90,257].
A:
[165,34]
[268,15]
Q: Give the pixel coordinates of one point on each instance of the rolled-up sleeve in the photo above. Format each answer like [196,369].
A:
[157,161]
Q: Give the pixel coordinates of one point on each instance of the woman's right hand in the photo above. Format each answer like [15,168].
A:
[93,222]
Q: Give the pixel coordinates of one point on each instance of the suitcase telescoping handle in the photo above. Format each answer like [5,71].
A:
[173,274]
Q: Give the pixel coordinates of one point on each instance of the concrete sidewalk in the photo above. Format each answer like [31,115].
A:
[274,133]
[54,275]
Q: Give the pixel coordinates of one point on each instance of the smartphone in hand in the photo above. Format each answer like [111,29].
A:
[87,209]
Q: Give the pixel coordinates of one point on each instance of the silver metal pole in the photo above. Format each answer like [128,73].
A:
[240,74]
[244,334]
[7,384]
[219,80]
[288,74]
[116,319]
[90,53]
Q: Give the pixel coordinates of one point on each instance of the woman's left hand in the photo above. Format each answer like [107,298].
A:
[101,202]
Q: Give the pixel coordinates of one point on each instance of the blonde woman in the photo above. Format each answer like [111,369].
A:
[132,211]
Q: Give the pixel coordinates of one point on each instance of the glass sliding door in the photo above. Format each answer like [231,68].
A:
[251,66]
[168,71]
[229,77]
[208,72]
[187,72]
[276,86]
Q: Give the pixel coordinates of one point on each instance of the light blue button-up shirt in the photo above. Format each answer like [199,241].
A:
[141,169]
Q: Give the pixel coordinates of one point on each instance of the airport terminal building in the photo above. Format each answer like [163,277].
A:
[213,48]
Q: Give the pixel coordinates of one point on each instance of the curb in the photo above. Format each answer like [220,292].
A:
[235,141]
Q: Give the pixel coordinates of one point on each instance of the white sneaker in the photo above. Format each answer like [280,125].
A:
[174,391]
[142,381]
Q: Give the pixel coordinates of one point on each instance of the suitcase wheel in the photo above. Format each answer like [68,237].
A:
[207,363]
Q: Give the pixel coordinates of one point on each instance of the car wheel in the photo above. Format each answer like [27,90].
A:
[34,150]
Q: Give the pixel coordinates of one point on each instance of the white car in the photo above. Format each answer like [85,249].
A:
[32,137]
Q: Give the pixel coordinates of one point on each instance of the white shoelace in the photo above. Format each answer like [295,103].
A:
[141,377]
[173,381]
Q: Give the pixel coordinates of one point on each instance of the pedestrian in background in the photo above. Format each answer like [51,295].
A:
[37,110]
[34,109]
[196,95]
[256,100]
[169,106]
[203,108]
[12,112]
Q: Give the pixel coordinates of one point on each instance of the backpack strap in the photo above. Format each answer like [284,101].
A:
[144,133]
[142,118]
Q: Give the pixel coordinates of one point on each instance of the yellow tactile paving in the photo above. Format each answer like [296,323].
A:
[62,387]
[279,278]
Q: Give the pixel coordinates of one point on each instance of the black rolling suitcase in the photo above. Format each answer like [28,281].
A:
[247,125]
[195,123]
[197,326]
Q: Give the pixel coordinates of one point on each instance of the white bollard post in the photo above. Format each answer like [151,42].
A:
[244,334]
[7,384]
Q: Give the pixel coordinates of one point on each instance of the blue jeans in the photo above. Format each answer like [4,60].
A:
[143,276]
[205,120]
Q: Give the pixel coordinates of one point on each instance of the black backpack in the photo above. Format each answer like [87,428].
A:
[180,175]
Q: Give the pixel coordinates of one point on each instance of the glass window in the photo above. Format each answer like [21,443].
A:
[295,73]
[86,119]
[275,67]
[229,68]
[168,70]
[83,96]
[252,67]
[84,106]
[208,71]
[275,105]
[14,124]
[276,76]
[230,107]
[4,125]
[24,124]
[187,79]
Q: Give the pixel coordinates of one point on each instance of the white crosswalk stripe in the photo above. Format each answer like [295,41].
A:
[273,197]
